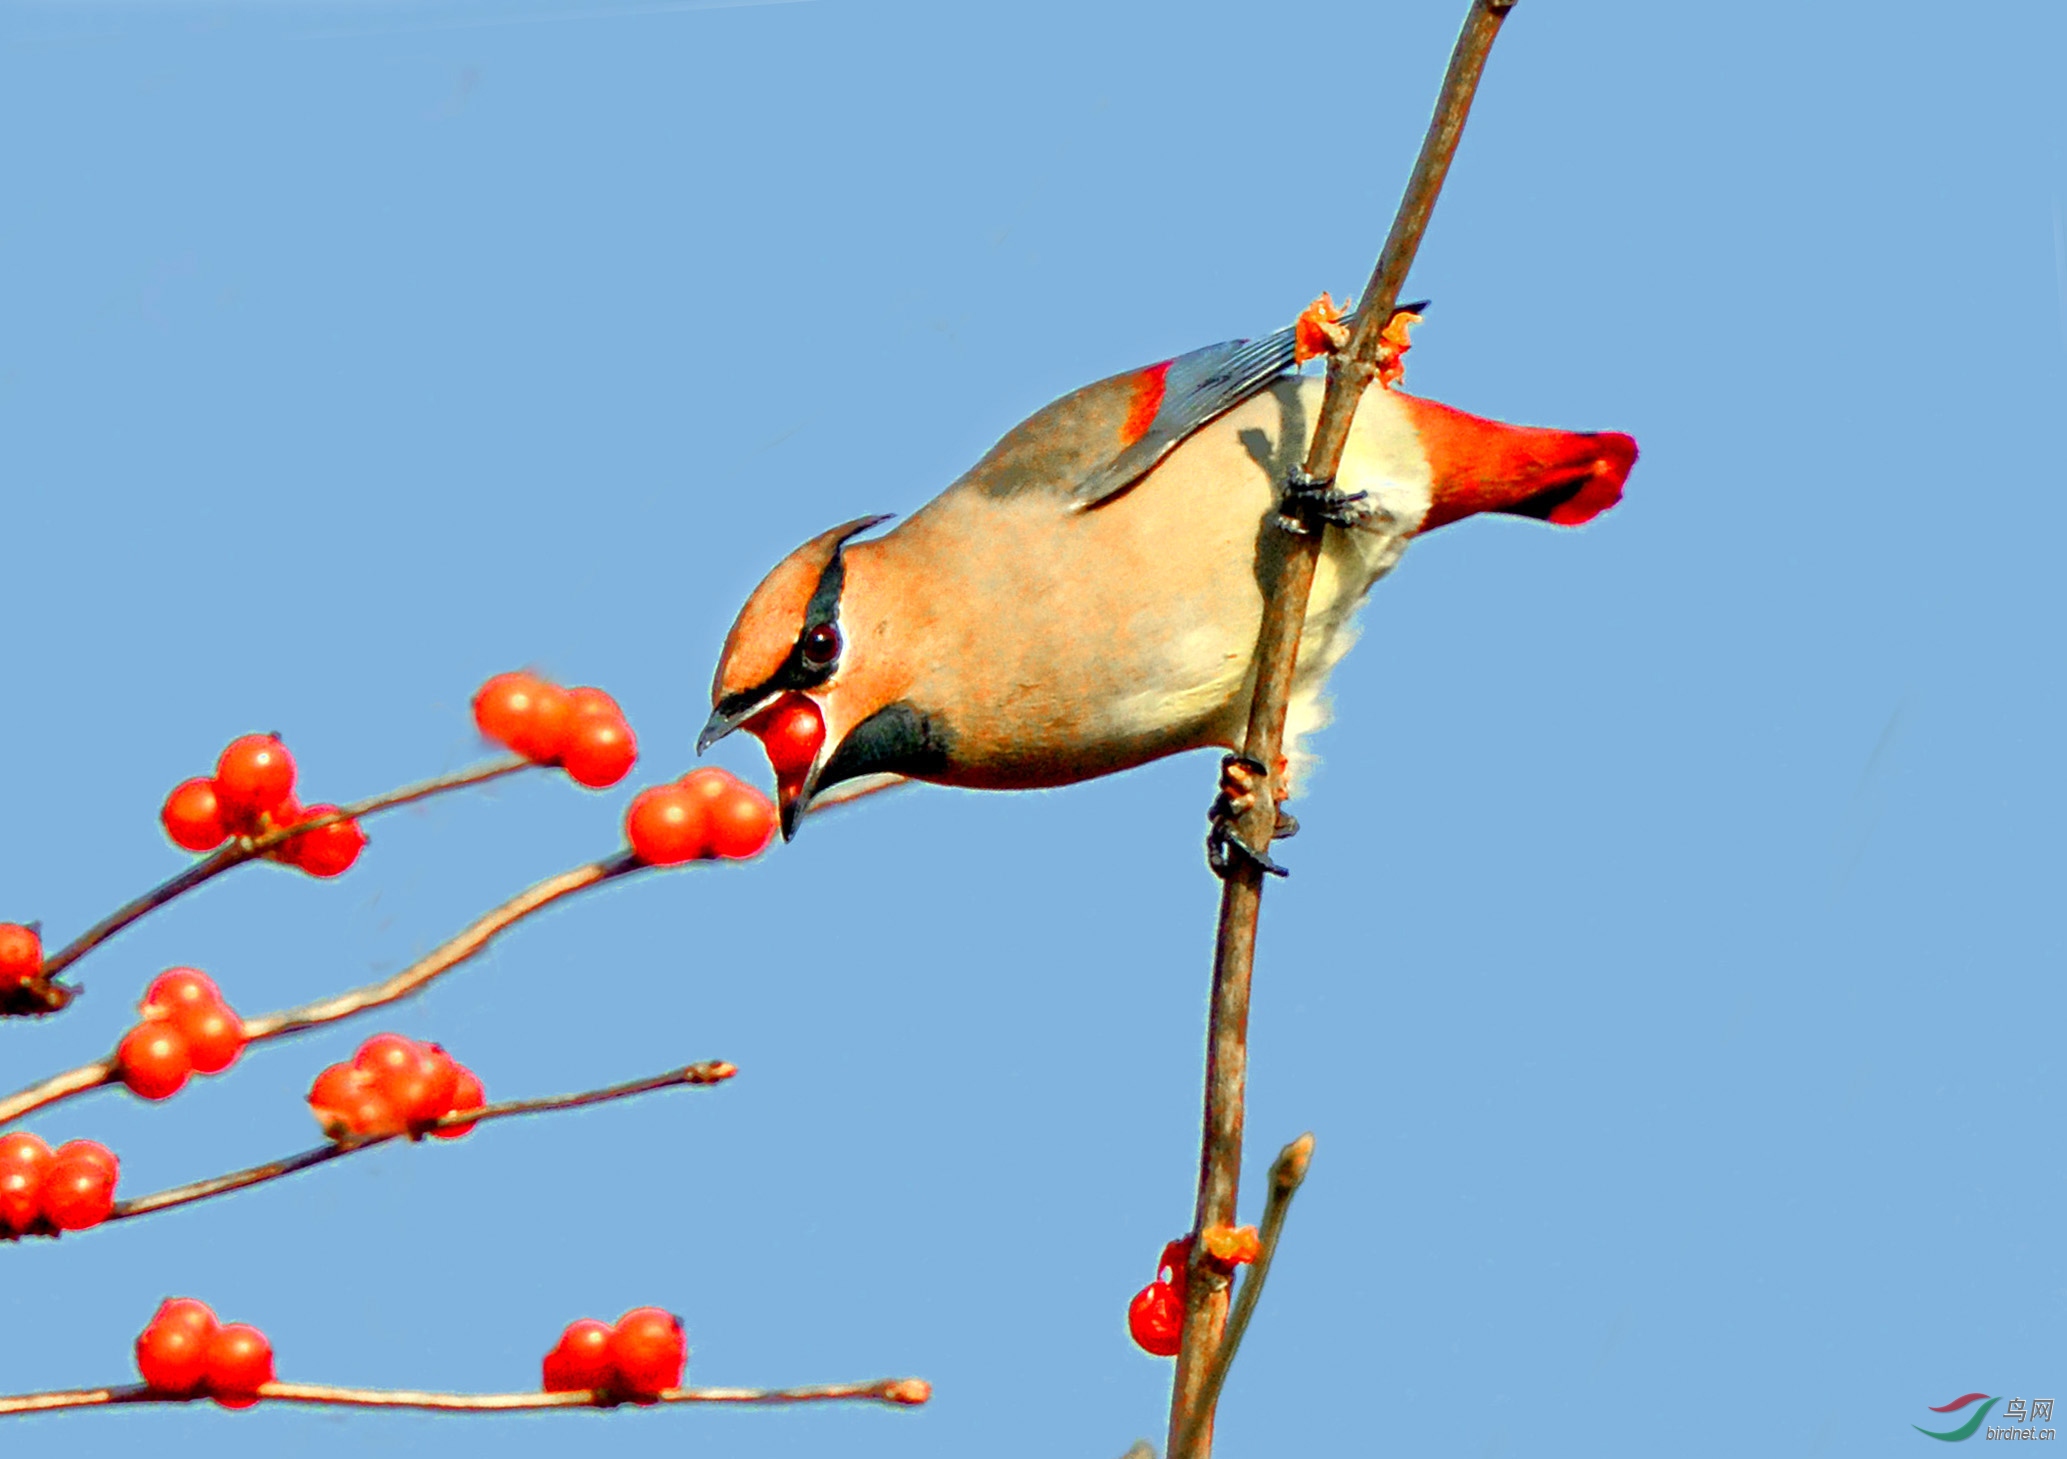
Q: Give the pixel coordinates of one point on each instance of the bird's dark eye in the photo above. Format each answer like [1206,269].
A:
[821,646]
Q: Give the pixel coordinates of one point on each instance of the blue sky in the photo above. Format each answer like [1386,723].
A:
[1670,972]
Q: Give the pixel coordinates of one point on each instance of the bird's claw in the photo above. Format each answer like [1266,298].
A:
[1308,504]
[1225,846]
[1240,778]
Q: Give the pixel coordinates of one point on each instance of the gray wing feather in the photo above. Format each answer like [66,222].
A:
[1200,387]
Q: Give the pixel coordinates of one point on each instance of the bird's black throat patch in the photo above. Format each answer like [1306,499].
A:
[898,739]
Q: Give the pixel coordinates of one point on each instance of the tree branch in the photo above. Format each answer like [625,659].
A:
[1287,1174]
[900,1392]
[293,1020]
[51,995]
[694,1075]
[1277,651]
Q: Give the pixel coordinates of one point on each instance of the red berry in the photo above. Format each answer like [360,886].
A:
[154,1060]
[581,1359]
[193,816]
[19,1147]
[467,1093]
[544,735]
[347,1100]
[371,1113]
[792,731]
[21,954]
[178,988]
[253,777]
[79,1185]
[1156,1319]
[172,1350]
[708,784]
[526,713]
[23,1161]
[586,701]
[214,1035]
[91,1151]
[385,1051]
[667,825]
[335,1091]
[187,1312]
[600,750]
[421,1087]
[648,1352]
[328,850]
[742,822]
[503,703]
[239,1360]
[21,1199]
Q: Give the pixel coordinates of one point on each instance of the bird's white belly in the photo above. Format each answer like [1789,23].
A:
[1204,674]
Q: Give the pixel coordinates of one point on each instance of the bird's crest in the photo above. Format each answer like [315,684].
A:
[802,589]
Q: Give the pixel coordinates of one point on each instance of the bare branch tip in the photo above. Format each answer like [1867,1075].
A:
[910,1392]
[1290,1169]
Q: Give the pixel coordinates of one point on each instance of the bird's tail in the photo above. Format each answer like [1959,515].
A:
[1478,465]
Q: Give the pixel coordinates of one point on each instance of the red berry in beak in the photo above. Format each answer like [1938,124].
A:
[792,731]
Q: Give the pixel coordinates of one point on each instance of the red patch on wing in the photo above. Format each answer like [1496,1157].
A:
[1148,399]
[1479,465]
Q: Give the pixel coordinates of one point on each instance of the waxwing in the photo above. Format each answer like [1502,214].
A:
[1086,597]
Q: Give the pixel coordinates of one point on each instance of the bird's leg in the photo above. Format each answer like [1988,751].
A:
[1308,504]
[1240,780]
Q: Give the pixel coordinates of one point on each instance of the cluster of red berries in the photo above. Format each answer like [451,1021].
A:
[184,1353]
[581,730]
[394,1086]
[1156,1315]
[640,1358]
[707,813]
[21,955]
[187,1029]
[252,793]
[43,1191]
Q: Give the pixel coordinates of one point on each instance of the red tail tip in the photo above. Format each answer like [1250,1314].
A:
[1478,465]
[1601,488]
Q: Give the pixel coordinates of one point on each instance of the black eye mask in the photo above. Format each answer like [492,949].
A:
[816,653]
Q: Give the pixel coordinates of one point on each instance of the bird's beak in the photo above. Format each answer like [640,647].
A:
[792,730]
[729,716]
[793,798]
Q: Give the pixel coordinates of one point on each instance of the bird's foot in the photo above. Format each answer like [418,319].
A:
[1309,504]
[1241,780]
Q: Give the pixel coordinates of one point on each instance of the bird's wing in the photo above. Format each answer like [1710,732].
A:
[1094,443]
[1195,389]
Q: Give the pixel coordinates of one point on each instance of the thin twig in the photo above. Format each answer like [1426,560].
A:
[1277,651]
[900,1392]
[444,958]
[53,995]
[293,1020]
[1287,1173]
[711,1072]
